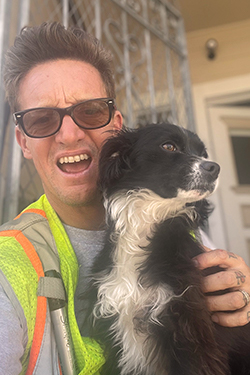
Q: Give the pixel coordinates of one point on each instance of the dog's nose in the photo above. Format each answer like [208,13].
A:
[211,168]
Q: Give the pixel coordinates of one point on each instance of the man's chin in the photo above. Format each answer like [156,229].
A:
[81,198]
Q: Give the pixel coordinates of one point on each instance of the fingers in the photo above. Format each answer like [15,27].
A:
[228,279]
[232,308]
[227,302]
[217,257]
[235,319]
[234,274]
[236,305]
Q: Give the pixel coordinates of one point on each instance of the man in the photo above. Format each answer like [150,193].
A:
[60,86]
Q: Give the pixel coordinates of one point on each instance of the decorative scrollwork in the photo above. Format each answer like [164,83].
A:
[135,5]
[119,42]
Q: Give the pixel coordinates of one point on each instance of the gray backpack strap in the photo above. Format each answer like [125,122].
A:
[37,230]
[51,287]
[41,237]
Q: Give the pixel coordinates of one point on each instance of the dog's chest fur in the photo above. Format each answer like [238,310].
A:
[135,217]
[144,287]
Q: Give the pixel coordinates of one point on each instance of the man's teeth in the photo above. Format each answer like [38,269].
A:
[73,159]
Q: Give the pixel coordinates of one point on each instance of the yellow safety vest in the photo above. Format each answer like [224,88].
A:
[38,234]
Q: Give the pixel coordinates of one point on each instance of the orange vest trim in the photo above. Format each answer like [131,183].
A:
[41,301]
[59,366]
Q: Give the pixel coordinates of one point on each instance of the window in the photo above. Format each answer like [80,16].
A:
[241,148]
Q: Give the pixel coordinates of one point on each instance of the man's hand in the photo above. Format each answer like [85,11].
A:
[236,276]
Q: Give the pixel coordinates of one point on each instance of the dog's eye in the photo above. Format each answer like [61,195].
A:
[169,147]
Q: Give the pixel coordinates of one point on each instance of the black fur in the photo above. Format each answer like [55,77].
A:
[186,342]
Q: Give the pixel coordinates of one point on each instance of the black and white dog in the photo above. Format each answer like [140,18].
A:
[148,306]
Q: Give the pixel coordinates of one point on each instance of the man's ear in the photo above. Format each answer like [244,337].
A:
[22,141]
[118,120]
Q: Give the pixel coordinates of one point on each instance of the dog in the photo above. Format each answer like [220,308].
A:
[147,304]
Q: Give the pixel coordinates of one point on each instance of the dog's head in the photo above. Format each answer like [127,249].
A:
[167,159]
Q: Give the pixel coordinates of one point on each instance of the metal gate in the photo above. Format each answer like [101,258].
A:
[147,40]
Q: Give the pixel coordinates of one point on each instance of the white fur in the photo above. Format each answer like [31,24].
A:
[135,214]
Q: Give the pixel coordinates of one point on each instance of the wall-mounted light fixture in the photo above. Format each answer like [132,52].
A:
[211,48]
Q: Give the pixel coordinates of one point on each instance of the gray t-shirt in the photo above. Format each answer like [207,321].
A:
[87,245]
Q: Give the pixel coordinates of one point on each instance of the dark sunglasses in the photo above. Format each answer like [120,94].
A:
[46,121]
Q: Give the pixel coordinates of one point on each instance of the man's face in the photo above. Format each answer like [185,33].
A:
[61,84]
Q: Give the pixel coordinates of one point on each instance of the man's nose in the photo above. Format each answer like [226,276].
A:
[69,131]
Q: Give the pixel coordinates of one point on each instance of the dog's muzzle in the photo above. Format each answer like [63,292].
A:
[210,170]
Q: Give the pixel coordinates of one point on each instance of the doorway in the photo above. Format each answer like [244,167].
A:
[230,137]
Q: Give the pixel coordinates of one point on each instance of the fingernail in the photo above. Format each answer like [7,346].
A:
[215,319]
[196,263]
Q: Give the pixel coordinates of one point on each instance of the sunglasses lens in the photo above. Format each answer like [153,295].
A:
[41,123]
[92,114]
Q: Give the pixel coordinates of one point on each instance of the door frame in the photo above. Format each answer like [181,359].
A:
[226,92]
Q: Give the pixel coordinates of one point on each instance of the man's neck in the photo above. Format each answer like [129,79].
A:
[84,218]
[88,217]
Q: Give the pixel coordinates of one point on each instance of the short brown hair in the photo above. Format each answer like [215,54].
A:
[52,41]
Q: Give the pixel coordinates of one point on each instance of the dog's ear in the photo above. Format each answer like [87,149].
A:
[115,158]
